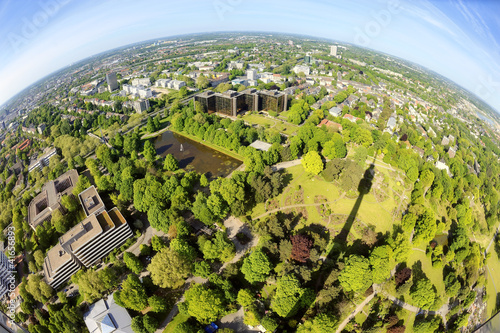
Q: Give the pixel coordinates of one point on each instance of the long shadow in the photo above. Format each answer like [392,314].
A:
[364,187]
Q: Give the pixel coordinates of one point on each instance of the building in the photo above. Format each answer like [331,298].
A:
[261,145]
[141,82]
[141,105]
[251,74]
[301,69]
[43,160]
[333,50]
[112,82]
[48,200]
[41,128]
[6,275]
[87,242]
[335,111]
[230,103]
[330,124]
[105,316]
[91,201]
[9,326]
[170,84]
[137,91]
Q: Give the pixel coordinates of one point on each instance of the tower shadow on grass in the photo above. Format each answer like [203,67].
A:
[364,187]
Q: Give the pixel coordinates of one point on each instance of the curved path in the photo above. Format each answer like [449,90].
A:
[358,309]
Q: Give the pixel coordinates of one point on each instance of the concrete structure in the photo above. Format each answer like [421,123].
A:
[88,241]
[230,103]
[141,82]
[41,128]
[112,82]
[9,326]
[141,105]
[6,275]
[48,200]
[301,68]
[91,201]
[170,84]
[105,316]
[261,145]
[335,111]
[43,160]
[251,74]
[333,50]
[137,91]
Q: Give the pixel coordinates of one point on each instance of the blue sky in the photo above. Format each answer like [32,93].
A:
[457,38]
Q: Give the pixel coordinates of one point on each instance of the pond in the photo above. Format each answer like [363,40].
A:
[194,156]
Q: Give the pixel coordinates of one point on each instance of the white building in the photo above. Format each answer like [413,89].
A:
[105,316]
[251,74]
[43,160]
[141,82]
[333,50]
[301,68]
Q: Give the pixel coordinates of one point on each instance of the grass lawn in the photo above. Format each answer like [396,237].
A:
[370,211]
[258,120]
[435,274]
[286,128]
[493,279]
[179,319]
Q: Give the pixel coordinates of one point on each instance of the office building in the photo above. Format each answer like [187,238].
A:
[141,105]
[87,242]
[112,82]
[48,200]
[333,50]
[302,69]
[230,103]
[6,273]
[251,74]
[9,326]
[105,316]
[42,161]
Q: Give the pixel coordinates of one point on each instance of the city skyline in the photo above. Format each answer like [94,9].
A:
[455,39]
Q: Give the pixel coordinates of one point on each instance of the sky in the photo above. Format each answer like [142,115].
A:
[459,39]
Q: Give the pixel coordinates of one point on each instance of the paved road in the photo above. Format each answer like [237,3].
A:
[358,309]
[234,321]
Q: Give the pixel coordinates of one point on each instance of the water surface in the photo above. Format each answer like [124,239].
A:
[195,156]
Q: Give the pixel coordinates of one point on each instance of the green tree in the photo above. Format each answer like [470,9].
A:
[133,263]
[312,163]
[321,323]
[356,276]
[381,263]
[133,294]
[423,293]
[202,82]
[170,163]
[169,269]
[286,301]
[149,151]
[205,304]
[157,303]
[256,267]
[425,228]
[219,247]
[245,297]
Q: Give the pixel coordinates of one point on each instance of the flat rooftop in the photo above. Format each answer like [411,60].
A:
[81,234]
[55,259]
[260,145]
[41,207]
[91,201]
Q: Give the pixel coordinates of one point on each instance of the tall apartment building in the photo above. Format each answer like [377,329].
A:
[48,200]
[333,50]
[251,74]
[88,241]
[231,102]
[112,82]
[43,160]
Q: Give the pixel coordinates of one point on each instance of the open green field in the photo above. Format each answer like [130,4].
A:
[313,189]
[179,319]
[281,126]
[435,274]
